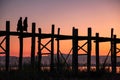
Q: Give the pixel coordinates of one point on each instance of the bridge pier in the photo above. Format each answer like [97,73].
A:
[89,50]
[7,44]
[33,46]
[75,50]
[97,52]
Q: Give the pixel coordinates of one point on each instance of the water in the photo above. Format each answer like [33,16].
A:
[93,68]
[81,68]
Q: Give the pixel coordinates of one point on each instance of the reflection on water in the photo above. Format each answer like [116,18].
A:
[81,68]
[93,68]
[107,68]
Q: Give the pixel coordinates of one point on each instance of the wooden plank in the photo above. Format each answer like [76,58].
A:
[25,35]
[2,52]
[60,37]
[45,53]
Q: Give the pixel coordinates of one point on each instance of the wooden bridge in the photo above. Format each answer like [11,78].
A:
[52,36]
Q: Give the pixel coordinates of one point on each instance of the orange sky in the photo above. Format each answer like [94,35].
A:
[100,15]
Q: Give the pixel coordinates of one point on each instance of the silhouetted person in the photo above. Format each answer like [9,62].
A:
[25,25]
[19,25]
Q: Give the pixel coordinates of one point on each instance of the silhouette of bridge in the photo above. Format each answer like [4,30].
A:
[52,36]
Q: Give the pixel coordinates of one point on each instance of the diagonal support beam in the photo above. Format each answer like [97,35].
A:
[65,62]
[44,46]
[2,43]
[69,54]
[82,49]
[3,48]
[118,50]
[84,44]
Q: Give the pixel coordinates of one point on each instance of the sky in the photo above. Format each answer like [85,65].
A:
[100,15]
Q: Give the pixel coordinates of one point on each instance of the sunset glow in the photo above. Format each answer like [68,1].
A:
[100,15]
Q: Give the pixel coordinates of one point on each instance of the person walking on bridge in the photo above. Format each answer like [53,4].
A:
[25,24]
[19,25]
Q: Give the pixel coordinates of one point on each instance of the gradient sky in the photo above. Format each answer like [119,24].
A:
[100,15]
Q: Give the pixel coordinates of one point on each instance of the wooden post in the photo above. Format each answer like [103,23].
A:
[114,56]
[7,44]
[89,50]
[75,50]
[58,46]
[52,50]
[112,50]
[21,49]
[33,46]
[97,52]
[39,50]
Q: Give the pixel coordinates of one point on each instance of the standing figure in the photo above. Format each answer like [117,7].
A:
[25,25]
[19,25]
